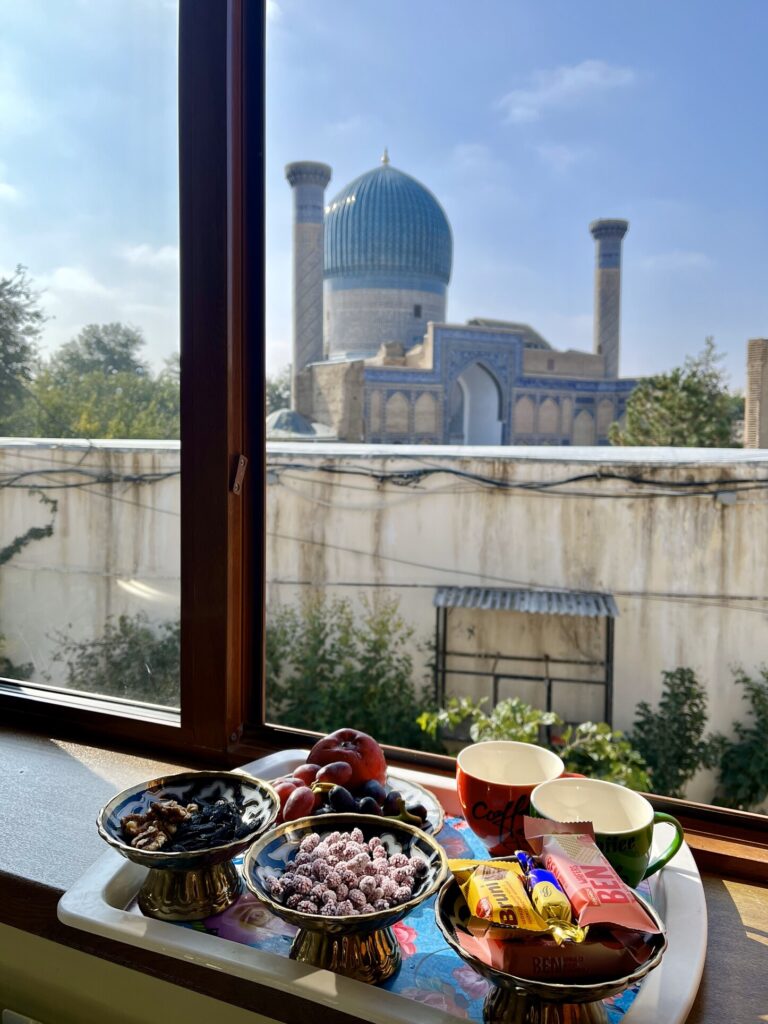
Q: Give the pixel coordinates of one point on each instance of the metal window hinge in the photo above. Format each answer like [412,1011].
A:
[237,484]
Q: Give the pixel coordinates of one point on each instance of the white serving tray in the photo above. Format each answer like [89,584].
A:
[96,903]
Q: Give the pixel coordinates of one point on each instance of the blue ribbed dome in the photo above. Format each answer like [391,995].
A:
[387,223]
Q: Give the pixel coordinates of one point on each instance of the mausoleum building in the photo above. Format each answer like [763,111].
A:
[387,367]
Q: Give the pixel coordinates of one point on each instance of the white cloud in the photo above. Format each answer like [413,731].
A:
[144,255]
[474,157]
[561,87]
[559,156]
[677,260]
[273,11]
[9,193]
[348,125]
[18,112]
[75,279]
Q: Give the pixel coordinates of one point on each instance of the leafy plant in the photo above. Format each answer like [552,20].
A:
[671,738]
[9,669]
[327,669]
[133,659]
[743,780]
[590,748]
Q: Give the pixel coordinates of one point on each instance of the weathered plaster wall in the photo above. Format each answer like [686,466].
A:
[654,554]
[114,548]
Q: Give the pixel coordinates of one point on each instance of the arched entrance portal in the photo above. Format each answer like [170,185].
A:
[481,406]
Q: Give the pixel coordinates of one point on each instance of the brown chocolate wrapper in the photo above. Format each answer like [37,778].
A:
[596,893]
[603,956]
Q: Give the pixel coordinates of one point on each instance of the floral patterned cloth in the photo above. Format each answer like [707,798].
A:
[431,972]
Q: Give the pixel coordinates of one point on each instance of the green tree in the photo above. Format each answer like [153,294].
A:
[278,390]
[671,738]
[327,668]
[104,348]
[688,407]
[743,781]
[133,659]
[21,321]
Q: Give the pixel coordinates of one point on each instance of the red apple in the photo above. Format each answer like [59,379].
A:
[361,752]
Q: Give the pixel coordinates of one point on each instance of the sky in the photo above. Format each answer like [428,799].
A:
[526,118]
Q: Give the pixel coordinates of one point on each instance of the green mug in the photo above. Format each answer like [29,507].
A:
[623,822]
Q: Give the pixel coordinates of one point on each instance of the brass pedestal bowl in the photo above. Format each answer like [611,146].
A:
[363,946]
[522,1000]
[191,885]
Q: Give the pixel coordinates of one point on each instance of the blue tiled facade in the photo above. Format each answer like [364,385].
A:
[455,348]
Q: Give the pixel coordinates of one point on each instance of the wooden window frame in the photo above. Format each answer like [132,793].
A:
[221,150]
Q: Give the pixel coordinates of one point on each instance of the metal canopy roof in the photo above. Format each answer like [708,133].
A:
[546,602]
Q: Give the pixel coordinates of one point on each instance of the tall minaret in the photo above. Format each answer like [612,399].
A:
[308,181]
[608,235]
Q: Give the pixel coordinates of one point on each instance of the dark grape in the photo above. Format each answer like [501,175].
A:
[341,799]
[369,806]
[338,772]
[419,810]
[393,804]
[374,789]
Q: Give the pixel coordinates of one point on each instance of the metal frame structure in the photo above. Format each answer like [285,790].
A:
[542,602]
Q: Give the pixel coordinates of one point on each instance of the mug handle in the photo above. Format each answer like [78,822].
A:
[674,846]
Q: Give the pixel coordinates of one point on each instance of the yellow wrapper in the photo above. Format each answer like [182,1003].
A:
[495,894]
[501,907]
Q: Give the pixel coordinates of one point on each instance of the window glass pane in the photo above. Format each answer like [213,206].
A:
[527,249]
[89,342]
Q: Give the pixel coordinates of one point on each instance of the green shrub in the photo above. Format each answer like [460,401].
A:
[590,748]
[327,669]
[743,780]
[133,659]
[671,738]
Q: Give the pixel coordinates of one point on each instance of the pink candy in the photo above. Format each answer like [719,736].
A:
[343,875]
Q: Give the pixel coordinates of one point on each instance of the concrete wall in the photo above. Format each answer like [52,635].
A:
[114,547]
[659,556]
[332,393]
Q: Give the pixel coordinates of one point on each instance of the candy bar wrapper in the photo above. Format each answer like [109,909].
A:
[605,955]
[496,897]
[596,893]
[500,906]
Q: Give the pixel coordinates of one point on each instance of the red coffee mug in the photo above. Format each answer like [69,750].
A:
[495,781]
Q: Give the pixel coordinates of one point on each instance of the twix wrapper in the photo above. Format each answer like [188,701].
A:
[499,904]
[596,893]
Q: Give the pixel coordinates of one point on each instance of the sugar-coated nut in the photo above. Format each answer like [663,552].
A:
[334,837]
[304,869]
[379,852]
[344,908]
[388,887]
[321,850]
[367,885]
[381,905]
[337,848]
[356,835]
[348,877]
[328,909]
[329,896]
[402,876]
[302,857]
[419,866]
[378,893]
[402,893]
[321,869]
[302,885]
[318,891]
[308,843]
[398,860]
[342,890]
[333,879]
[380,867]
[357,898]
[293,901]
[351,850]
[307,907]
